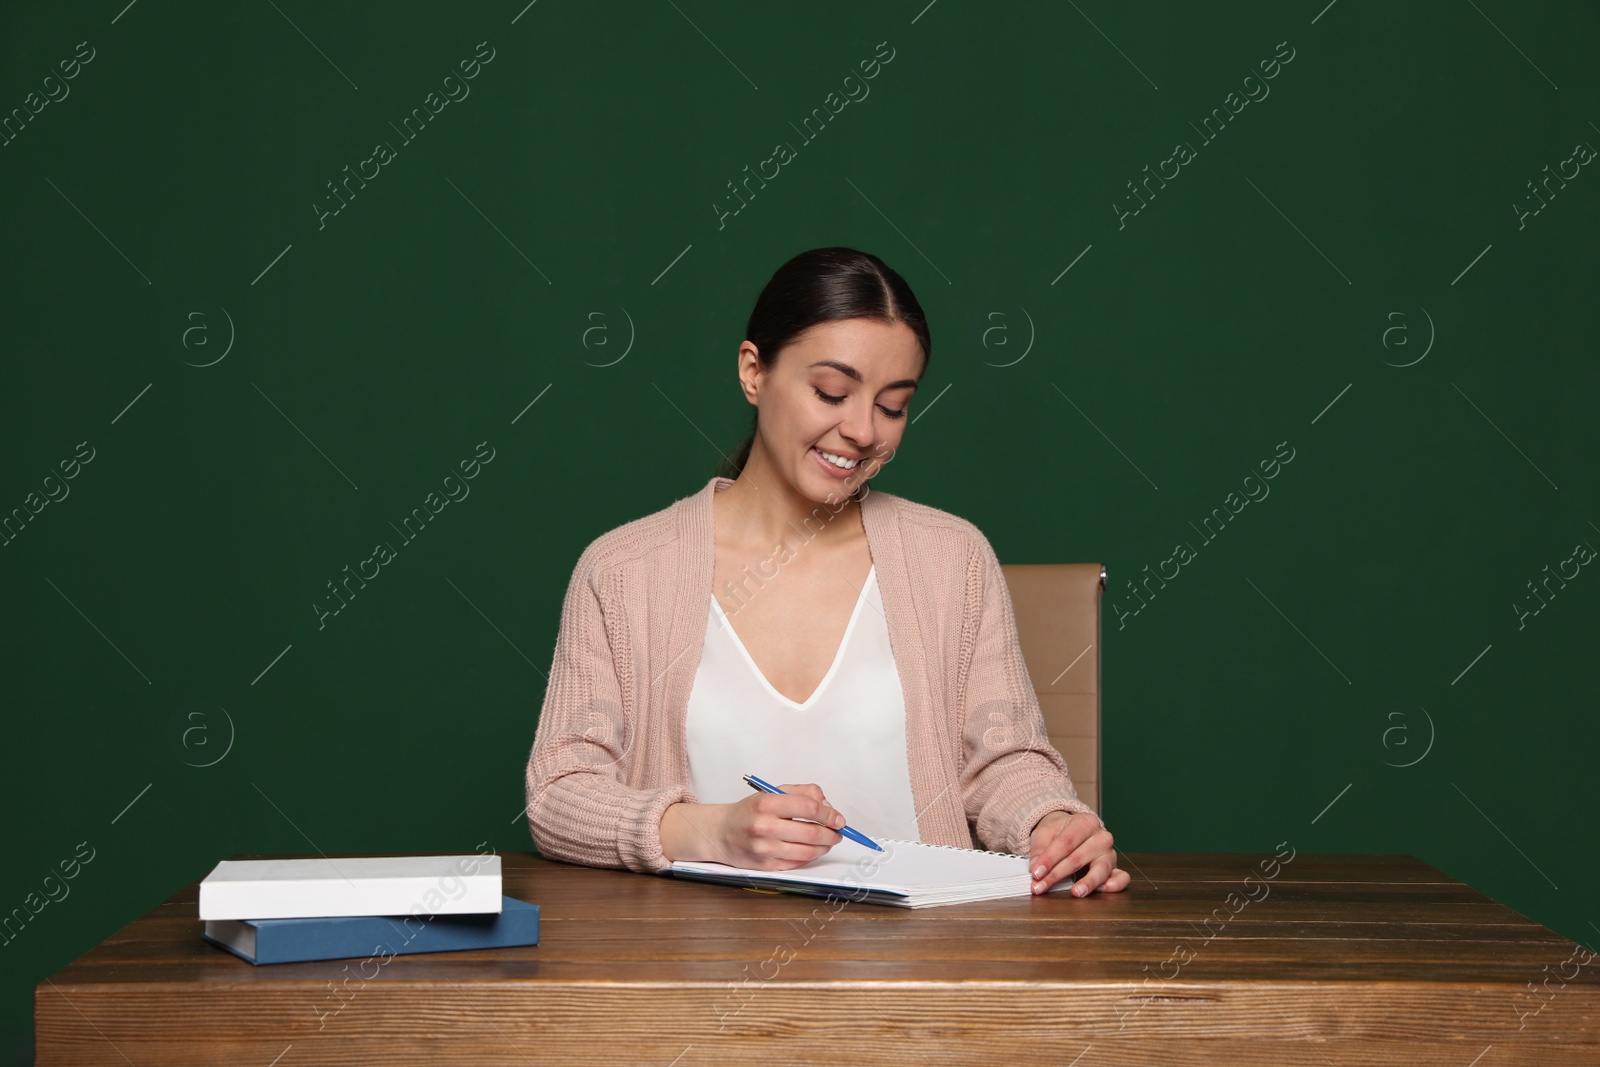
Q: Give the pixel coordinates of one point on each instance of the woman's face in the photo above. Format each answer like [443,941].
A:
[840,388]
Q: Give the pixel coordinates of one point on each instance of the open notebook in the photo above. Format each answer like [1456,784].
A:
[906,874]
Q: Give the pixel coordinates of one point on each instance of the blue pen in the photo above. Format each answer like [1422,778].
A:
[854,835]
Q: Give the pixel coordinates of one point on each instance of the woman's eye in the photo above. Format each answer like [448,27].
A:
[829,398]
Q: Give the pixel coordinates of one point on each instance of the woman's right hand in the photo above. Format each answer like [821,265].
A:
[761,832]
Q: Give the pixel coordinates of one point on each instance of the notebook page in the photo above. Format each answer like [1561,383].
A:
[915,869]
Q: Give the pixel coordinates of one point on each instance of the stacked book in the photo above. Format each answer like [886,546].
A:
[293,910]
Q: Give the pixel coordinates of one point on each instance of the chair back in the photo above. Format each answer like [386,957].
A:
[1057,607]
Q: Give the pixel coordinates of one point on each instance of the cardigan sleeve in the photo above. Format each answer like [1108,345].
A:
[1011,776]
[579,808]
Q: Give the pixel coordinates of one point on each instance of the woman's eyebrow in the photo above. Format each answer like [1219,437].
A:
[849,371]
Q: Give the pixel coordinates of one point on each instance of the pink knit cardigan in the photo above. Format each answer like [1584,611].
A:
[610,753]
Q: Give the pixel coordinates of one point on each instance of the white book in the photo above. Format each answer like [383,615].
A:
[362,885]
[906,874]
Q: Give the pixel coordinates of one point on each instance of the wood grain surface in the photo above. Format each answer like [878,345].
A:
[1359,960]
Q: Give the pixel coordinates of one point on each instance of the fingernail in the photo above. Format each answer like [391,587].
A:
[1038,872]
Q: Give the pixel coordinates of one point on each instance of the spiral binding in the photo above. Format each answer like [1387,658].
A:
[956,848]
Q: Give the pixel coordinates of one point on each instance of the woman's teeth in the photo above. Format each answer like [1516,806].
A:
[837,461]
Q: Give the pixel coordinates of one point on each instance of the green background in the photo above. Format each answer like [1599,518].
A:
[1342,668]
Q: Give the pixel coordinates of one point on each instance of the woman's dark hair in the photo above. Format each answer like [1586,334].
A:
[825,285]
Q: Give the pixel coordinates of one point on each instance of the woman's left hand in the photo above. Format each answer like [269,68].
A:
[1064,842]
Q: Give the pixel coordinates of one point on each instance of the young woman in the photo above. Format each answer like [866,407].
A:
[787,622]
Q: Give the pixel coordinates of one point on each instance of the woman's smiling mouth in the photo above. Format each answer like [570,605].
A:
[835,464]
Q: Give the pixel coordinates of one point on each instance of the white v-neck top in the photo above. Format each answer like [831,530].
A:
[849,737]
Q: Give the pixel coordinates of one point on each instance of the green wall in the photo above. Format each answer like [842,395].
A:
[262,387]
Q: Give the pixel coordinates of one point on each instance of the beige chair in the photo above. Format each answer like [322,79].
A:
[1057,607]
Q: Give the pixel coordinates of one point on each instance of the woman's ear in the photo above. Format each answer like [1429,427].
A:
[749,371]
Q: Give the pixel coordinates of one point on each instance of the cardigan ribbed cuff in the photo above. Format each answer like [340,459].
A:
[1019,805]
[1025,827]
[595,820]
[640,841]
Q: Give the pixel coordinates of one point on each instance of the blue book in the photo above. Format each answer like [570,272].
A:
[381,936]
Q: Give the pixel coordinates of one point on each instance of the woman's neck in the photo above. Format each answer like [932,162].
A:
[760,511]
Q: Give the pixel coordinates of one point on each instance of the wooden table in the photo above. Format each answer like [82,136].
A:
[1346,960]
